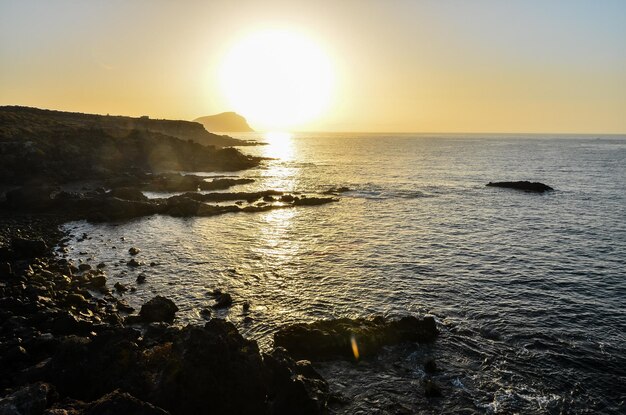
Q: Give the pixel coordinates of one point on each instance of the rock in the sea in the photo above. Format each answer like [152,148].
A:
[352,338]
[522,185]
[158,309]
[120,287]
[128,193]
[141,278]
[134,263]
[134,251]
[223,300]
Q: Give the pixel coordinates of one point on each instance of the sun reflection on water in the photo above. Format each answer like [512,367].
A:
[280,173]
[279,145]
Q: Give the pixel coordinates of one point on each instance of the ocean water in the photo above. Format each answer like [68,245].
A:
[529,290]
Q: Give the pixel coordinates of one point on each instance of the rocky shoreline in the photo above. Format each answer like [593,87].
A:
[68,347]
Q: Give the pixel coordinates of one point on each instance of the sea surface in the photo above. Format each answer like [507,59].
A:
[529,290]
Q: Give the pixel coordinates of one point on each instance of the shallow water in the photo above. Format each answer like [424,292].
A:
[529,289]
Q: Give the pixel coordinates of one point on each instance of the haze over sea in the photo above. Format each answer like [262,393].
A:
[528,289]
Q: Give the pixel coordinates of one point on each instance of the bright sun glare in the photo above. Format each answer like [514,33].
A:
[277,79]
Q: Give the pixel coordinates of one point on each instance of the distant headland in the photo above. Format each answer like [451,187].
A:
[228,122]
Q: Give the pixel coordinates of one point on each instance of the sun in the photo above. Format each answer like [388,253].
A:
[277,79]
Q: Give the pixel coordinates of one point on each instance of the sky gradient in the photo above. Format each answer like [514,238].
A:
[400,66]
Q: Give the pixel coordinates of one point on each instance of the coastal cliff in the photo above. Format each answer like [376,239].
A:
[16,120]
[54,146]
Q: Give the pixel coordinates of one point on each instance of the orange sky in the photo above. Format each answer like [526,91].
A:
[449,66]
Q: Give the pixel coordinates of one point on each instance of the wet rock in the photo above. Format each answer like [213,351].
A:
[28,400]
[101,265]
[84,267]
[123,306]
[134,263]
[141,278]
[245,306]
[158,309]
[98,281]
[223,300]
[523,185]
[206,313]
[120,287]
[352,338]
[128,193]
[313,201]
[134,251]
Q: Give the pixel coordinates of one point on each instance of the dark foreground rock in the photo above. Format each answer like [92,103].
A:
[352,338]
[158,309]
[64,350]
[522,185]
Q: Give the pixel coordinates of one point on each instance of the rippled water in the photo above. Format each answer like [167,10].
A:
[529,290]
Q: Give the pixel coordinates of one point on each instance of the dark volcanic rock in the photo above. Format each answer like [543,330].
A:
[294,387]
[28,400]
[118,402]
[158,309]
[28,248]
[128,193]
[522,185]
[327,339]
[223,300]
[210,369]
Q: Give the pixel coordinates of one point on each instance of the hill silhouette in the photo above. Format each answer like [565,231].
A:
[225,122]
[15,120]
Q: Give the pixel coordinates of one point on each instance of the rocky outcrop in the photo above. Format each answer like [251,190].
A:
[352,338]
[225,122]
[158,309]
[38,150]
[526,186]
[15,119]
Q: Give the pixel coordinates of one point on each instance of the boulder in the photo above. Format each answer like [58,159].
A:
[28,400]
[522,185]
[223,300]
[28,248]
[134,251]
[158,309]
[352,338]
[294,387]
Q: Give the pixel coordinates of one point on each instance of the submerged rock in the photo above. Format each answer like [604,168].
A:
[352,338]
[158,309]
[522,185]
